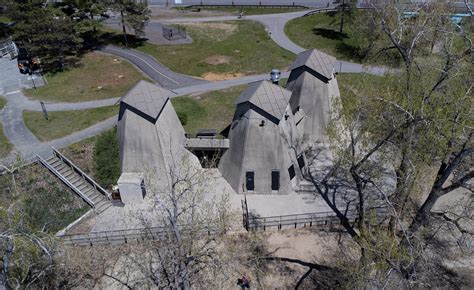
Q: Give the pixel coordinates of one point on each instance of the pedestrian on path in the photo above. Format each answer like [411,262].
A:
[244,282]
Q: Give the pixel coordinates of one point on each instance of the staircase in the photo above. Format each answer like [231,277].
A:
[84,186]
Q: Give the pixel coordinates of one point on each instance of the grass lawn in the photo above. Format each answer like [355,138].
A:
[211,110]
[4,18]
[321,31]
[247,11]
[5,146]
[3,102]
[63,123]
[222,50]
[96,77]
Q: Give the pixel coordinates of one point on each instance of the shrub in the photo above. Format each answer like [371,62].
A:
[106,157]
[183,118]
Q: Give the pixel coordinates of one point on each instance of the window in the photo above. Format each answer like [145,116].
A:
[249,180]
[291,171]
[275,180]
[301,163]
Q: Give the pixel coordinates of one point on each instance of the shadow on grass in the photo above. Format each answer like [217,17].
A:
[96,39]
[349,50]
[330,33]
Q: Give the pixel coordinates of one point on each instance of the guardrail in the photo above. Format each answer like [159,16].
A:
[255,223]
[316,11]
[86,177]
[63,179]
[126,236]
[237,5]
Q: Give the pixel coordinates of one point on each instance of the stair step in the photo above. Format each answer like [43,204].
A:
[51,159]
[60,166]
[67,174]
[97,198]
[54,162]
[102,206]
[74,179]
[85,187]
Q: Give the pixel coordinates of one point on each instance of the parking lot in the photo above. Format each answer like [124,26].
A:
[12,80]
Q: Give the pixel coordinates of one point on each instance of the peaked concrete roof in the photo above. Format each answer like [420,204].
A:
[147,98]
[269,97]
[317,61]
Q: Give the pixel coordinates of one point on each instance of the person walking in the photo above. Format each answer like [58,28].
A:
[244,282]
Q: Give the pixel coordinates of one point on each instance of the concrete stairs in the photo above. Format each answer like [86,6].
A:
[92,193]
[305,187]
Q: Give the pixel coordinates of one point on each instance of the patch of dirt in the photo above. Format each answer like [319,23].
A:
[211,31]
[221,76]
[216,59]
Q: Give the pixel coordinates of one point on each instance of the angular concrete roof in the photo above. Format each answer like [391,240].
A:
[147,98]
[269,97]
[317,61]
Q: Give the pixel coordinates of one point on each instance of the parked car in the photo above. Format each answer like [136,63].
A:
[27,64]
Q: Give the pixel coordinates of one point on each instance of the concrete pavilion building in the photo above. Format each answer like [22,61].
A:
[151,141]
[263,154]
[314,88]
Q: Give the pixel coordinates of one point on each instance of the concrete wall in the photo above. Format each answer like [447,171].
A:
[154,149]
[315,96]
[260,149]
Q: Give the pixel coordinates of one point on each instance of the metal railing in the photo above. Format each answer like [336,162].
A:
[84,176]
[322,10]
[321,219]
[126,236]
[65,180]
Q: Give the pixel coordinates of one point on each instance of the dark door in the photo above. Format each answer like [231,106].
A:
[275,180]
[249,180]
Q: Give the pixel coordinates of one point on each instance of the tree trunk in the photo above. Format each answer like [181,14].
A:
[123,28]
[342,17]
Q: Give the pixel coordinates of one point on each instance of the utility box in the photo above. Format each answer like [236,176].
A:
[131,188]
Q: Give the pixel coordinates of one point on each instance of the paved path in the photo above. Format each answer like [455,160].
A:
[153,69]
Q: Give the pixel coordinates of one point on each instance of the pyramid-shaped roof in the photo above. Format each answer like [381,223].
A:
[147,98]
[317,61]
[269,97]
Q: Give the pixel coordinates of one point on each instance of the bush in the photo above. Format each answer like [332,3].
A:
[106,157]
[183,118]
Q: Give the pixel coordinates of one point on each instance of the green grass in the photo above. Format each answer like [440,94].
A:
[211,110]
[5,146]
[321,31]
[3,102]
[63,123]
[225,49]
[4,18]
[247,11]
[96,77]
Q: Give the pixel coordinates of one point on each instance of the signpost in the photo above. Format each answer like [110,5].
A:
[45,113]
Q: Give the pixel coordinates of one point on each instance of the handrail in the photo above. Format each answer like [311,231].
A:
[82,173]
[122,235]
[319,10]
[255,222]
[63,179]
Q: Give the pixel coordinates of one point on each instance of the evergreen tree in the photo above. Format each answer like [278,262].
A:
[48,33]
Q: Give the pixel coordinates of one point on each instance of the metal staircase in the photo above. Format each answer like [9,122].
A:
[84,186]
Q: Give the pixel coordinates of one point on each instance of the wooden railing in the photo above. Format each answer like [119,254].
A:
[65,180]
[84,176]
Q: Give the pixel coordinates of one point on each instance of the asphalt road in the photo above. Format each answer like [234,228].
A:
[152,68]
